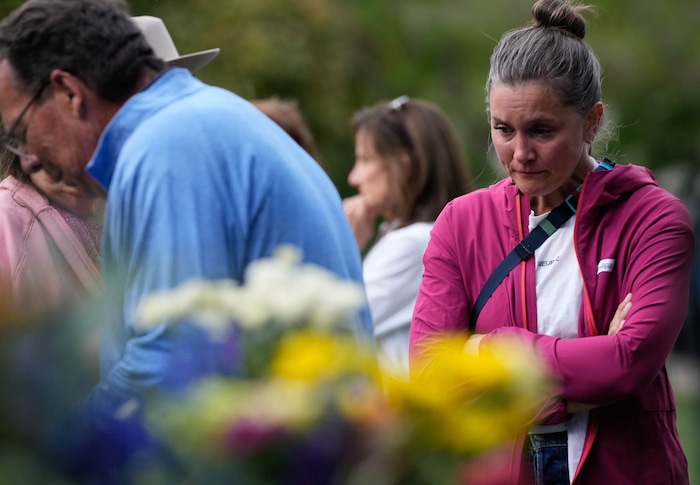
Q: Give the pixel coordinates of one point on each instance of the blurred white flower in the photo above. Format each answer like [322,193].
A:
[211,303]
[278,289]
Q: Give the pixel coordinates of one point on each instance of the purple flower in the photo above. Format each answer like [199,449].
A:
[248,436]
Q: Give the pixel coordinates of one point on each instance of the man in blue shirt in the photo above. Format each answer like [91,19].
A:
[199,183]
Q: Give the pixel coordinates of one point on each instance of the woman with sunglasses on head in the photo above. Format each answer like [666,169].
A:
[408,165]
[600,295]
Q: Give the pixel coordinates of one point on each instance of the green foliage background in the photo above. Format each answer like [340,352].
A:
[336,56]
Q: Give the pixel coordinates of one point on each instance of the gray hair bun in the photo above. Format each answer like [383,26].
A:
[561,15]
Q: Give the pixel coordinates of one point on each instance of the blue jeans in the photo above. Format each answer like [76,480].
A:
[549,458]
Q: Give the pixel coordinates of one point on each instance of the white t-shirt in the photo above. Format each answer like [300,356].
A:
[392,270]
[559,295]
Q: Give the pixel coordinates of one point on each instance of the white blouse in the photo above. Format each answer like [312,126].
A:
[392,271]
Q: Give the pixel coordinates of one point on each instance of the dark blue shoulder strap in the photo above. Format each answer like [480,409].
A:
[525,248]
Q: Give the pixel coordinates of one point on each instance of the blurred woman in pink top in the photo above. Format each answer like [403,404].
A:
[50,238]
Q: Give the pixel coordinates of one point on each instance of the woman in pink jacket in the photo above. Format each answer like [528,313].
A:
[50,237]
[601,298]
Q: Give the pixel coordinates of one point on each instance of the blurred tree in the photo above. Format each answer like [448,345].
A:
[336,56]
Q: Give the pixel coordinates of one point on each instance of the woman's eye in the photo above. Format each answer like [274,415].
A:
[543,131]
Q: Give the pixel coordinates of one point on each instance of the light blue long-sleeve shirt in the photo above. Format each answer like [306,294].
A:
[200,184]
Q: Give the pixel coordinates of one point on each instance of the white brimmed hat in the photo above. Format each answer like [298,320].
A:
[158,37]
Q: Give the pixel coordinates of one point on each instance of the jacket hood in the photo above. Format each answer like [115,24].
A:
[601,188]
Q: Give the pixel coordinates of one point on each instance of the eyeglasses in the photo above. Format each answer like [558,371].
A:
[10,141]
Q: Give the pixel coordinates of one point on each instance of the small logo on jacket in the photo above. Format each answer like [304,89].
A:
[606,265]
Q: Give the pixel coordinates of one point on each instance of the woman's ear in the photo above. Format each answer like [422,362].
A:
[593,119]
[405,161]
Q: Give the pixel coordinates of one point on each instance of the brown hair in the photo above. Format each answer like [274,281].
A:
[10,165]
[438,170]
[287,115]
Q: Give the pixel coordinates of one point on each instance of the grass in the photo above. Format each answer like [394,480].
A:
[685,376]
[688,426]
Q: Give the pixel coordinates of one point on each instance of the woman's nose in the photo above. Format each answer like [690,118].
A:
[522,150]
[354,176]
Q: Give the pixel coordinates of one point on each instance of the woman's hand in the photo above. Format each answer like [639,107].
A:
[361,219]
[472,344]
[618,321]
[620,316]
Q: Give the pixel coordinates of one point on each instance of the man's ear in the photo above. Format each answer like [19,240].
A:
[69,91]
[593,119]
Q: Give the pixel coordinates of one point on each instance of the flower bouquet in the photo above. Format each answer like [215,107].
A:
[313,406]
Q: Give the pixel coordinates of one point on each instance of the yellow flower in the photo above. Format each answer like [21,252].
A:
[316,356]
[468,402]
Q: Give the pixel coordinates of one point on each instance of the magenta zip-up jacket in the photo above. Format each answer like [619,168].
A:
[631,236]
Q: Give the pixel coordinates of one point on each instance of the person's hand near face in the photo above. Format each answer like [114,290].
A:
[361,218]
